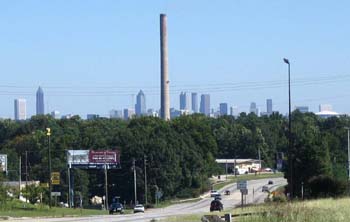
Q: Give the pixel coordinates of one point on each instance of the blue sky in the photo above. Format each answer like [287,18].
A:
[92,56]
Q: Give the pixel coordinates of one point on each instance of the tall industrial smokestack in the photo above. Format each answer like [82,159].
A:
[164,78]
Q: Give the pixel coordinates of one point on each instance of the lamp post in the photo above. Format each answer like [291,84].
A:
[48,134]
[348,128]
[289,132]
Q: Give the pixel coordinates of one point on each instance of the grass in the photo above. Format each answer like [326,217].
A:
[232,179]
[19,209]
[322,210]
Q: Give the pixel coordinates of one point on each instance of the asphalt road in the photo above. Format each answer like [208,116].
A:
[255,195]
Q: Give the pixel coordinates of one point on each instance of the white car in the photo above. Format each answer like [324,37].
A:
[139,208]
[214,193]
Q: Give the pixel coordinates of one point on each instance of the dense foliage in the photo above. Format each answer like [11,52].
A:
[180,154]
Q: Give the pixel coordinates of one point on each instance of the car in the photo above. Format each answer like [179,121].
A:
[116,208]
[270,182]
[213,193]
[240,171]
[227,192]
[139,208]
[265,189]
[216,205]
[268,170]
[217,197]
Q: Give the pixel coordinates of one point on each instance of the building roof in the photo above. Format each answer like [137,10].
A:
[238,161]
[327,113]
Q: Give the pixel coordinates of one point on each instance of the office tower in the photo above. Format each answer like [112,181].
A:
[20,109]
[116,114]
[234,111]
[40,102]
[194,102]
[223,109]
[152,112]
[205,104]
[128,113]
[253,109]
[92,116]
[164,78]
[55,114]
[302,109]
[184,101]
[67,116]
[269,106]
[140,106]
[325,107]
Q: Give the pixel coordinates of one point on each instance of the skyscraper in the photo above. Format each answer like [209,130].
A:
[205,104]
[269,106]
[20,109]
[194,102]
[140,107]
[40,102]
[254,109]
[184,101]
[223,109]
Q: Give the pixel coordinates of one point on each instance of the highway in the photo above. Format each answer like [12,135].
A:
[201,206]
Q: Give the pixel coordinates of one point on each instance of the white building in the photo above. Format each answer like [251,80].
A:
[20,109]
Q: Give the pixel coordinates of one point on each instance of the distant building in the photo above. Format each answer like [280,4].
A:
[55,114]
[205,104]
[302,109]
[325,107]
[92,116]
[269,106]
[253,109]
[185,101]
[223,109]
[20,109]
[234,111]
[194,102]
[40,102]
[174,113]
[116,114]
[140,107]
[152,112]
[67,116]
[128,113]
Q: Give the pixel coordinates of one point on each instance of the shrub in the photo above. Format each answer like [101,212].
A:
[326,186]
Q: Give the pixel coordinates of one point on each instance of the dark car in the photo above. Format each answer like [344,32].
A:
[270,182]
[217,197]
[216,205]
[116,208]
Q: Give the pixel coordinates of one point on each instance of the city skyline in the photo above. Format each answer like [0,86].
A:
[93,60]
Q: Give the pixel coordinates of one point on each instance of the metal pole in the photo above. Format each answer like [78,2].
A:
[19,176]
[235,165]
[226,169]
[26,168]
[302,190]
[134,168]
[69,188]
[348,156]
[106,186]
[50,183]
[259,159]
[145,166]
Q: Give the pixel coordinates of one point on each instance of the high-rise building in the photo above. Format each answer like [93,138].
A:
[184,101]
[223,109]
[128,113]
[269,106]
[116,114]
[140,106]
[20,109]
[325,107]
[302,109]
[40,102]
[194,102]
[55,114]
[234,111]
[92,116]
[254,109]
[205,104]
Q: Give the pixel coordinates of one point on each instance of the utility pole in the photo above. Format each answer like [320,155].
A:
[19,175]
[145,169]
[259,159]
[348,128]
[134,168]
[26,168]
[106,183]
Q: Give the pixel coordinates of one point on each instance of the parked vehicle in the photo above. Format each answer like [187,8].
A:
[216,205]
[240,171]
[270,182]
[139,208]
[213,193]
[227,192]
[116,208]
[217,197]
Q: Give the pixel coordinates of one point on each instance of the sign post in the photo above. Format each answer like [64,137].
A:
[242,186]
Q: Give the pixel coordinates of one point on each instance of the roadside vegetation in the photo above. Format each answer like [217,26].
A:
[322,210]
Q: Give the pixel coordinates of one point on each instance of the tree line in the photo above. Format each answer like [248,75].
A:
[179,154]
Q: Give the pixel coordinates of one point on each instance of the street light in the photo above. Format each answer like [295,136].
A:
[289,132]
[48,134]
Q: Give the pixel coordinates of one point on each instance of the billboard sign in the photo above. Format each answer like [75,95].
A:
[242,184]
[55,178]
[3,163]
[93,159]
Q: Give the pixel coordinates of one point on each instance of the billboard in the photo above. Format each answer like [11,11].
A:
[3,163]
[93,159]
